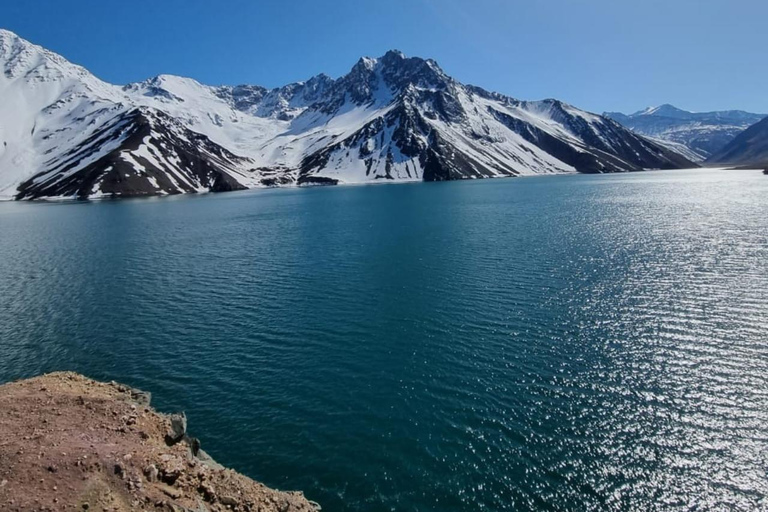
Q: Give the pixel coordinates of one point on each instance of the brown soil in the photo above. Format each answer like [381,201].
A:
[71,443]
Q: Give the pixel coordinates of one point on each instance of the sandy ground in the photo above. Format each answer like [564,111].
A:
[71,443]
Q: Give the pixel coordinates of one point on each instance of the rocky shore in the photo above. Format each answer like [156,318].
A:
[70,443]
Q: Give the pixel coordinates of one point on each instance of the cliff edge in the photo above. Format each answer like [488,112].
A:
[70,443]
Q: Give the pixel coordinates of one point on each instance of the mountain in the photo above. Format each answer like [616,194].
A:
[65,133]
[749,148]
[702,133]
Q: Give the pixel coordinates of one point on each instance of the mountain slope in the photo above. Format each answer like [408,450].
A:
[66,133]
[703,133]
[139,152]
[749,148]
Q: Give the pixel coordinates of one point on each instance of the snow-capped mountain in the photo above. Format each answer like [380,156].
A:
[697,135]
[65,133]
[749,148]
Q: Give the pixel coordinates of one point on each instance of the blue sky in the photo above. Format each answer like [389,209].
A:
[597,54]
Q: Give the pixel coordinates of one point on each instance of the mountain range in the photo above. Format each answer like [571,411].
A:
[66,134]
[697,135]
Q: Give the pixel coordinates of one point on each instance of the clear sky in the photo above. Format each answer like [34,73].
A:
[597,54]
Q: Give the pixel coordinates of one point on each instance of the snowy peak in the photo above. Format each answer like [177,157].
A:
[400,71]
[380,79]
[170,88]
[665,110]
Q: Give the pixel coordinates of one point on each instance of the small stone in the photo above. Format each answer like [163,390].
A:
[230,501]
[208,491]
[151,473]
[172,469]
[171,492]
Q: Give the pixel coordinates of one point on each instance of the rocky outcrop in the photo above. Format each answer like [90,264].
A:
[71,443]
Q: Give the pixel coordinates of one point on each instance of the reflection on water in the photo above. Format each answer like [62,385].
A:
[559,343]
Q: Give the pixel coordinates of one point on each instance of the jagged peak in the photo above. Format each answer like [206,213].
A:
[396,57]
[365,63]
[322,77]
[393,58]
[398,72]
[393,55]
[320,80]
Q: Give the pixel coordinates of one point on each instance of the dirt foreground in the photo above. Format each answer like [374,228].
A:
[71,443]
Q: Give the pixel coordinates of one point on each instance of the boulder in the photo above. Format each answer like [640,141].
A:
[178,428]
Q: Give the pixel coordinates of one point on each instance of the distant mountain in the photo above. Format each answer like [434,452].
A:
[749,148]
[703,133]
[65,133]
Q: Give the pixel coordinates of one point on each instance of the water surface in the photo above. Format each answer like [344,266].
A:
[553,343]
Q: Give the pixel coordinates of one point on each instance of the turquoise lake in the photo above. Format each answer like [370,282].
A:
[548,343]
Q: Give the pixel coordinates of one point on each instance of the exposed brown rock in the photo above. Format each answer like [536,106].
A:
[71,443]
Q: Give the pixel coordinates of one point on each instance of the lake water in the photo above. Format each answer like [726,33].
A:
[552,343]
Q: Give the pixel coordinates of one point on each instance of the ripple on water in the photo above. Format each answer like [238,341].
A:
[578,343]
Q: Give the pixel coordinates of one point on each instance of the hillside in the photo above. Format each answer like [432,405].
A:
[750,148]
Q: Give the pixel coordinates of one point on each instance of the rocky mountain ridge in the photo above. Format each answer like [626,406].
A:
[67,134]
